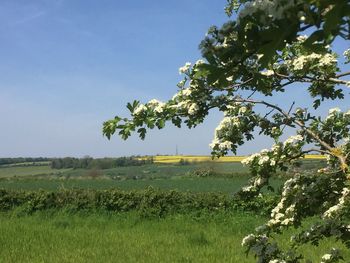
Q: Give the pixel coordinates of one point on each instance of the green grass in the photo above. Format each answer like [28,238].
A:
[28,171]
[224,185]
[161,170]
[102,237]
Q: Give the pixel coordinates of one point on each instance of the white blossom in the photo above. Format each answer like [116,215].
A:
[326,258]
[185,68]
[186,92]
[333,111]
[139,109]
[277,261]
[248,240]
[192,110]
[293,139]
[242,110]
[268,73]
[347,54]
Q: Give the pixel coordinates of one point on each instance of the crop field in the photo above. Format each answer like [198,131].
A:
[198,158]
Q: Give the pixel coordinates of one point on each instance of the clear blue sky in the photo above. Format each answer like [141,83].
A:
[67,66]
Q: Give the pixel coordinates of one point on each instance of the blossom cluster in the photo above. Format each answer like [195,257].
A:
[267,9]
[335,210]
[282,215]
[302,62]
[230,130]
[347,55]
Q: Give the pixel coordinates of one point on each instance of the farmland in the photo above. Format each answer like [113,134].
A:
[162,226]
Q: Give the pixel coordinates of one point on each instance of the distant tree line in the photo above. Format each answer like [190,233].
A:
[4,161]
[101,163]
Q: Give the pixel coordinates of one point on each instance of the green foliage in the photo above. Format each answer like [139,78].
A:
[102,163]
[149,202]
[260,52]
[23,160]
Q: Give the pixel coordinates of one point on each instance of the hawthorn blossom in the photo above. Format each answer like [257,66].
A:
[192,110]
[185,68]
[139,109]
[268,73]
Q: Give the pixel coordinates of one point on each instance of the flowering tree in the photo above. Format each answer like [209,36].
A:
[270,46]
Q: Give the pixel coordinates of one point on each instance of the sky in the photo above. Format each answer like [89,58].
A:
[67,66]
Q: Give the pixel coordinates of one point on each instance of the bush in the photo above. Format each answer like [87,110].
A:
[149,202]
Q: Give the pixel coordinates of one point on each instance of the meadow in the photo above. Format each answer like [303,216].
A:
[195,230]
[124,237]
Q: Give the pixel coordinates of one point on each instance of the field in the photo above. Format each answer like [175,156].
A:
[97,235]
[102,237]
[224,159]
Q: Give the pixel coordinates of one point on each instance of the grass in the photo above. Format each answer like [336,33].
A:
[182,184]
[101,237]
[15,171]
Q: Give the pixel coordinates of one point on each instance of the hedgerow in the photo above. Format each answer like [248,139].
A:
[149,202]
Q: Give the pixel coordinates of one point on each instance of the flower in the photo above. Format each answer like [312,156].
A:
[326,258]
[333,111]
[248,240]
[268,73]
[242,110]
[185,68]
[192,110]
[186,92]
[139,109]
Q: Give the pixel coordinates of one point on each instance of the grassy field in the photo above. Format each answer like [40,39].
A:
[21,171]
[102,237]
[210,184]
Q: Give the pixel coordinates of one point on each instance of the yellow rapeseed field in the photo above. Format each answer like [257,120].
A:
[203,158]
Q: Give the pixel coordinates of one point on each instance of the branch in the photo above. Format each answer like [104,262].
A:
[330,149]
[342,74]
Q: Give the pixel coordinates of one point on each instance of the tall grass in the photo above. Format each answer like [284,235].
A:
[102,237]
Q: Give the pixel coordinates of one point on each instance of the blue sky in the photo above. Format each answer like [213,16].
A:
[67,66]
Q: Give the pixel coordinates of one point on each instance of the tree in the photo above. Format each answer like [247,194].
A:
[268,47]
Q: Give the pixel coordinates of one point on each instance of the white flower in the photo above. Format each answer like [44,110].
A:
[268,73]
[185,68]
[272,163]
[139,109]
[225,145]
[159,108]
[347,54]
[186,92]
[200,62]
[193,109]
[327,59]
[263,160]
[333,111]
[153,102]
[301,38]
[326,258]
[248,240]
[242,110]
[277,261]
[293,139]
